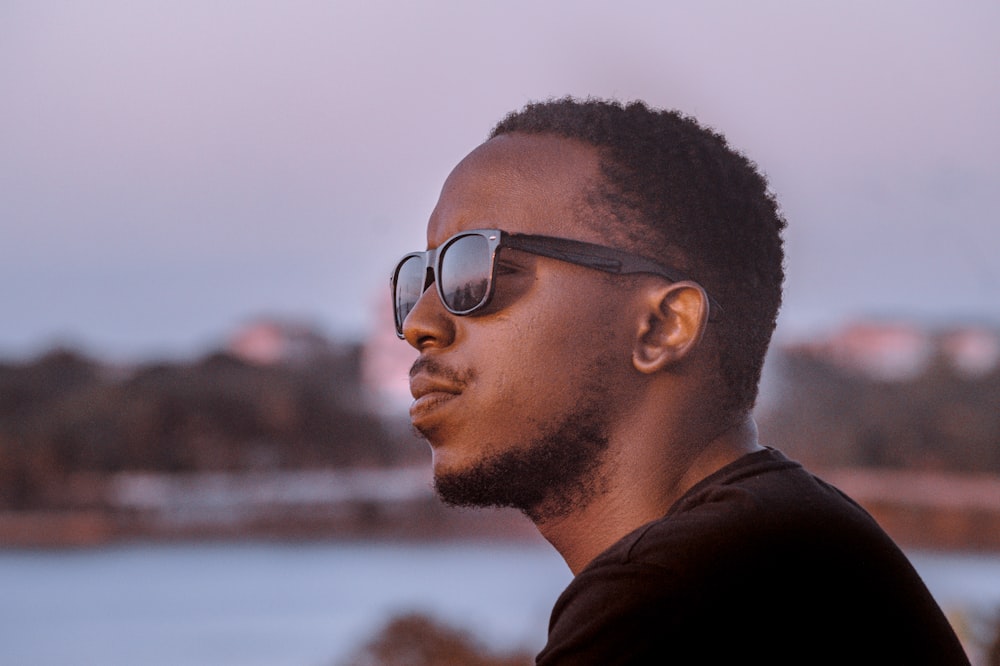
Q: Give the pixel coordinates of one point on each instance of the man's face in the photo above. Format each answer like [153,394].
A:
[517,401]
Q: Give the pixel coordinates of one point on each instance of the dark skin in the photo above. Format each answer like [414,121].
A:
[490,382]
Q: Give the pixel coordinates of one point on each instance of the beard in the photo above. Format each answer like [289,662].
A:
[549,478]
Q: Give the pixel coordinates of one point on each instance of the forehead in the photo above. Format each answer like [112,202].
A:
[536,184]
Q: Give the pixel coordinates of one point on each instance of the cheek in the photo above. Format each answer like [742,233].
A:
[545,350]
[514,386]
[545,372]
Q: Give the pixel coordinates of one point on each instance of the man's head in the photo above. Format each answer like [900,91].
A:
[675,191]
[521,399]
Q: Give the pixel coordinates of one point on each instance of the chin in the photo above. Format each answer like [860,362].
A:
[446,462]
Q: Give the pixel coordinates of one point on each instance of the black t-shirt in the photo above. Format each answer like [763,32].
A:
[759,563]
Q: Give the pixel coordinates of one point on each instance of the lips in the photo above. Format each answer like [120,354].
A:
[430,394]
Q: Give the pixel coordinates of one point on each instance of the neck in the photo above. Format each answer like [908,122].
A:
[640,487]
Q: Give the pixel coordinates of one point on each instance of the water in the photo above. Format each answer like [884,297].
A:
[309,604]
[262,604]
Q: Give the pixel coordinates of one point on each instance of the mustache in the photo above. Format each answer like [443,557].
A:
[437,369]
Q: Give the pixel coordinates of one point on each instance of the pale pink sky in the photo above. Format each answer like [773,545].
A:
[170,169]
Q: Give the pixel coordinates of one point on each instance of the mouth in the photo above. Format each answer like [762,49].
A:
[429,396]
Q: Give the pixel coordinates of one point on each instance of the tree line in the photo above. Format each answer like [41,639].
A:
[64,414]
[940,419]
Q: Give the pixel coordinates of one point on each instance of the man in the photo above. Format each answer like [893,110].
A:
[592,317]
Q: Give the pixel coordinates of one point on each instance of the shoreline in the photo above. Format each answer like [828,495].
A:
[919,510]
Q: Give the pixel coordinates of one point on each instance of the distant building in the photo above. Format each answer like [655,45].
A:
[385,364]
[269,341]
[898,351]
[891,351]
[973,351]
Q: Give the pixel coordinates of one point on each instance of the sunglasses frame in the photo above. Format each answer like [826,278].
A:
[580,253]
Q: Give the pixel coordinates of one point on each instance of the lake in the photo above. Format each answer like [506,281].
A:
[308,604]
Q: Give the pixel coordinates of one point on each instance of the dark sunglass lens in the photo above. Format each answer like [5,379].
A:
[465,273]
[410,278]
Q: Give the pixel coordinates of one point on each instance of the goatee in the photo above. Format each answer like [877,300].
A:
[545,479]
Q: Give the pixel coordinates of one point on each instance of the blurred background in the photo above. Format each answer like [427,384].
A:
[204,456]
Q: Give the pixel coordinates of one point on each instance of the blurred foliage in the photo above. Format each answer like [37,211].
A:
[991,653]
[417,640]
[64,413]
[830,416]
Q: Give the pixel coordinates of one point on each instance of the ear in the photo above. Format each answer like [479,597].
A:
[671,323]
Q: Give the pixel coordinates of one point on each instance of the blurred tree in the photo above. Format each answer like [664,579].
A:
[829,416]
[993,649]
[417,640]
[64,414]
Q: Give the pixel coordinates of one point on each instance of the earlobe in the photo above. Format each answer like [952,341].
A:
[671,324]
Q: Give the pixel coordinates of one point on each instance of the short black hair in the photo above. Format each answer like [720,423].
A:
[679,192]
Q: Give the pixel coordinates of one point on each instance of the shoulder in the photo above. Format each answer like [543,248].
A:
[761,541]
[760,506]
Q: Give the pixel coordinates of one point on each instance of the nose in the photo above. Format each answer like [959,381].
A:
[428,324]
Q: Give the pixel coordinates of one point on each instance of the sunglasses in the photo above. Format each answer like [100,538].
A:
[464,269]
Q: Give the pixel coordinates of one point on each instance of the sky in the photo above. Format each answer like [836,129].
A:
[172,169]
